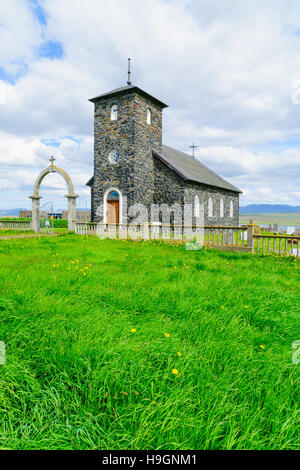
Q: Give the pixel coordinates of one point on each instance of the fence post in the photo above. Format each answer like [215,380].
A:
[146,231]
[250,239]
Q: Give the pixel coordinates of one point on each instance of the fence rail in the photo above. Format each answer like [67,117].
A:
[239,238]
[210,235]
[226,236]
[280,244]
[14,225]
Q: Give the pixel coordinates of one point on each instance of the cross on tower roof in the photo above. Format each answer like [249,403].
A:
[129,73]
[52,159]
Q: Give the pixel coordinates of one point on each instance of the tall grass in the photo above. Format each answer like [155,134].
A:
[78,375]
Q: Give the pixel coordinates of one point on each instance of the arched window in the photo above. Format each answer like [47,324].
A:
[148,116]
[231,209]
[210,207]
[221,208]
[114,112]
[113,196]
[196,207]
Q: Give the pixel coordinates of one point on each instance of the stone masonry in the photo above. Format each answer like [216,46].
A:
[138,174]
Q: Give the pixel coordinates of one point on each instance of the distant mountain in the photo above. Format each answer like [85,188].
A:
[4,212]
[268,208]
[15,212]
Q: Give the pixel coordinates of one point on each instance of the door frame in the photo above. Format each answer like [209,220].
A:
[120,204]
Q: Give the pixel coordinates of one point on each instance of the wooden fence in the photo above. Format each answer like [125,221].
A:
[239,238]
[280,244]
[217,236]
[14,225]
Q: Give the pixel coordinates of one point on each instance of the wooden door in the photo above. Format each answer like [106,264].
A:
[112,213]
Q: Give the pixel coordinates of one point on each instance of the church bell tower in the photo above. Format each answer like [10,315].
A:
[127,129]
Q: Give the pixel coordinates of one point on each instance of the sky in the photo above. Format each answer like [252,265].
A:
[228,69]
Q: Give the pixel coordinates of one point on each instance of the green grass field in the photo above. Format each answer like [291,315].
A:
[96,332]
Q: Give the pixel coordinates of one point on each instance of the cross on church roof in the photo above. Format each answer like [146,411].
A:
[52,159]
[193,147]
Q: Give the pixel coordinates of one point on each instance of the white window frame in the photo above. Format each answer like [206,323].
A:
[114,112]
[210,209]
[221,208]
[149,116]
[231,208]
[196,206]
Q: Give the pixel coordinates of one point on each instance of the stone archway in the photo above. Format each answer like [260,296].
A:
[71,196]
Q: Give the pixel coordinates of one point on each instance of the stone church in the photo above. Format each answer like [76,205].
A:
[130,160]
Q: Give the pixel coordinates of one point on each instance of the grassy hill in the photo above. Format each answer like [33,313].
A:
[281,218]
[123,345]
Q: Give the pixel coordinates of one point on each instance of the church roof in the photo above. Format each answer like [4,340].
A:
[188,168]
[191,169]
[126,89]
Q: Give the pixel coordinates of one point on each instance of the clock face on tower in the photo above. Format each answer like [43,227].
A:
[114,156]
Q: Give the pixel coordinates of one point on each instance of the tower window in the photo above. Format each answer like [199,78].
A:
[148,116]
[114,156]
[231,209]
[114,112]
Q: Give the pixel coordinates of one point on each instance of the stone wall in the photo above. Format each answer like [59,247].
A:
[26,214]
[134,139]
[138,175]
[170,188]
[204,193]
[81,216]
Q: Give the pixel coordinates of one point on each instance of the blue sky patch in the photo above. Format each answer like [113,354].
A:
[12,78]
[4,76]
[51,50]
[38,12]
[277,147]
[50,142]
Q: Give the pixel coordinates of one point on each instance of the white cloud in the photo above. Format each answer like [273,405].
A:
[20,35]
[262,176]
[229,71]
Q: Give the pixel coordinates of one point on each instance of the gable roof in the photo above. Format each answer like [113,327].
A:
[90,182]
[191,169]
[188,168]
[124,90]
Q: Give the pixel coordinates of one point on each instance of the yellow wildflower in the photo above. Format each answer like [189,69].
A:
[175,371]
[133,330]
[179,354]
[262,346]
[167,335]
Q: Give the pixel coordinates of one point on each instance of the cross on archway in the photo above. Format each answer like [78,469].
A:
[52,159]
